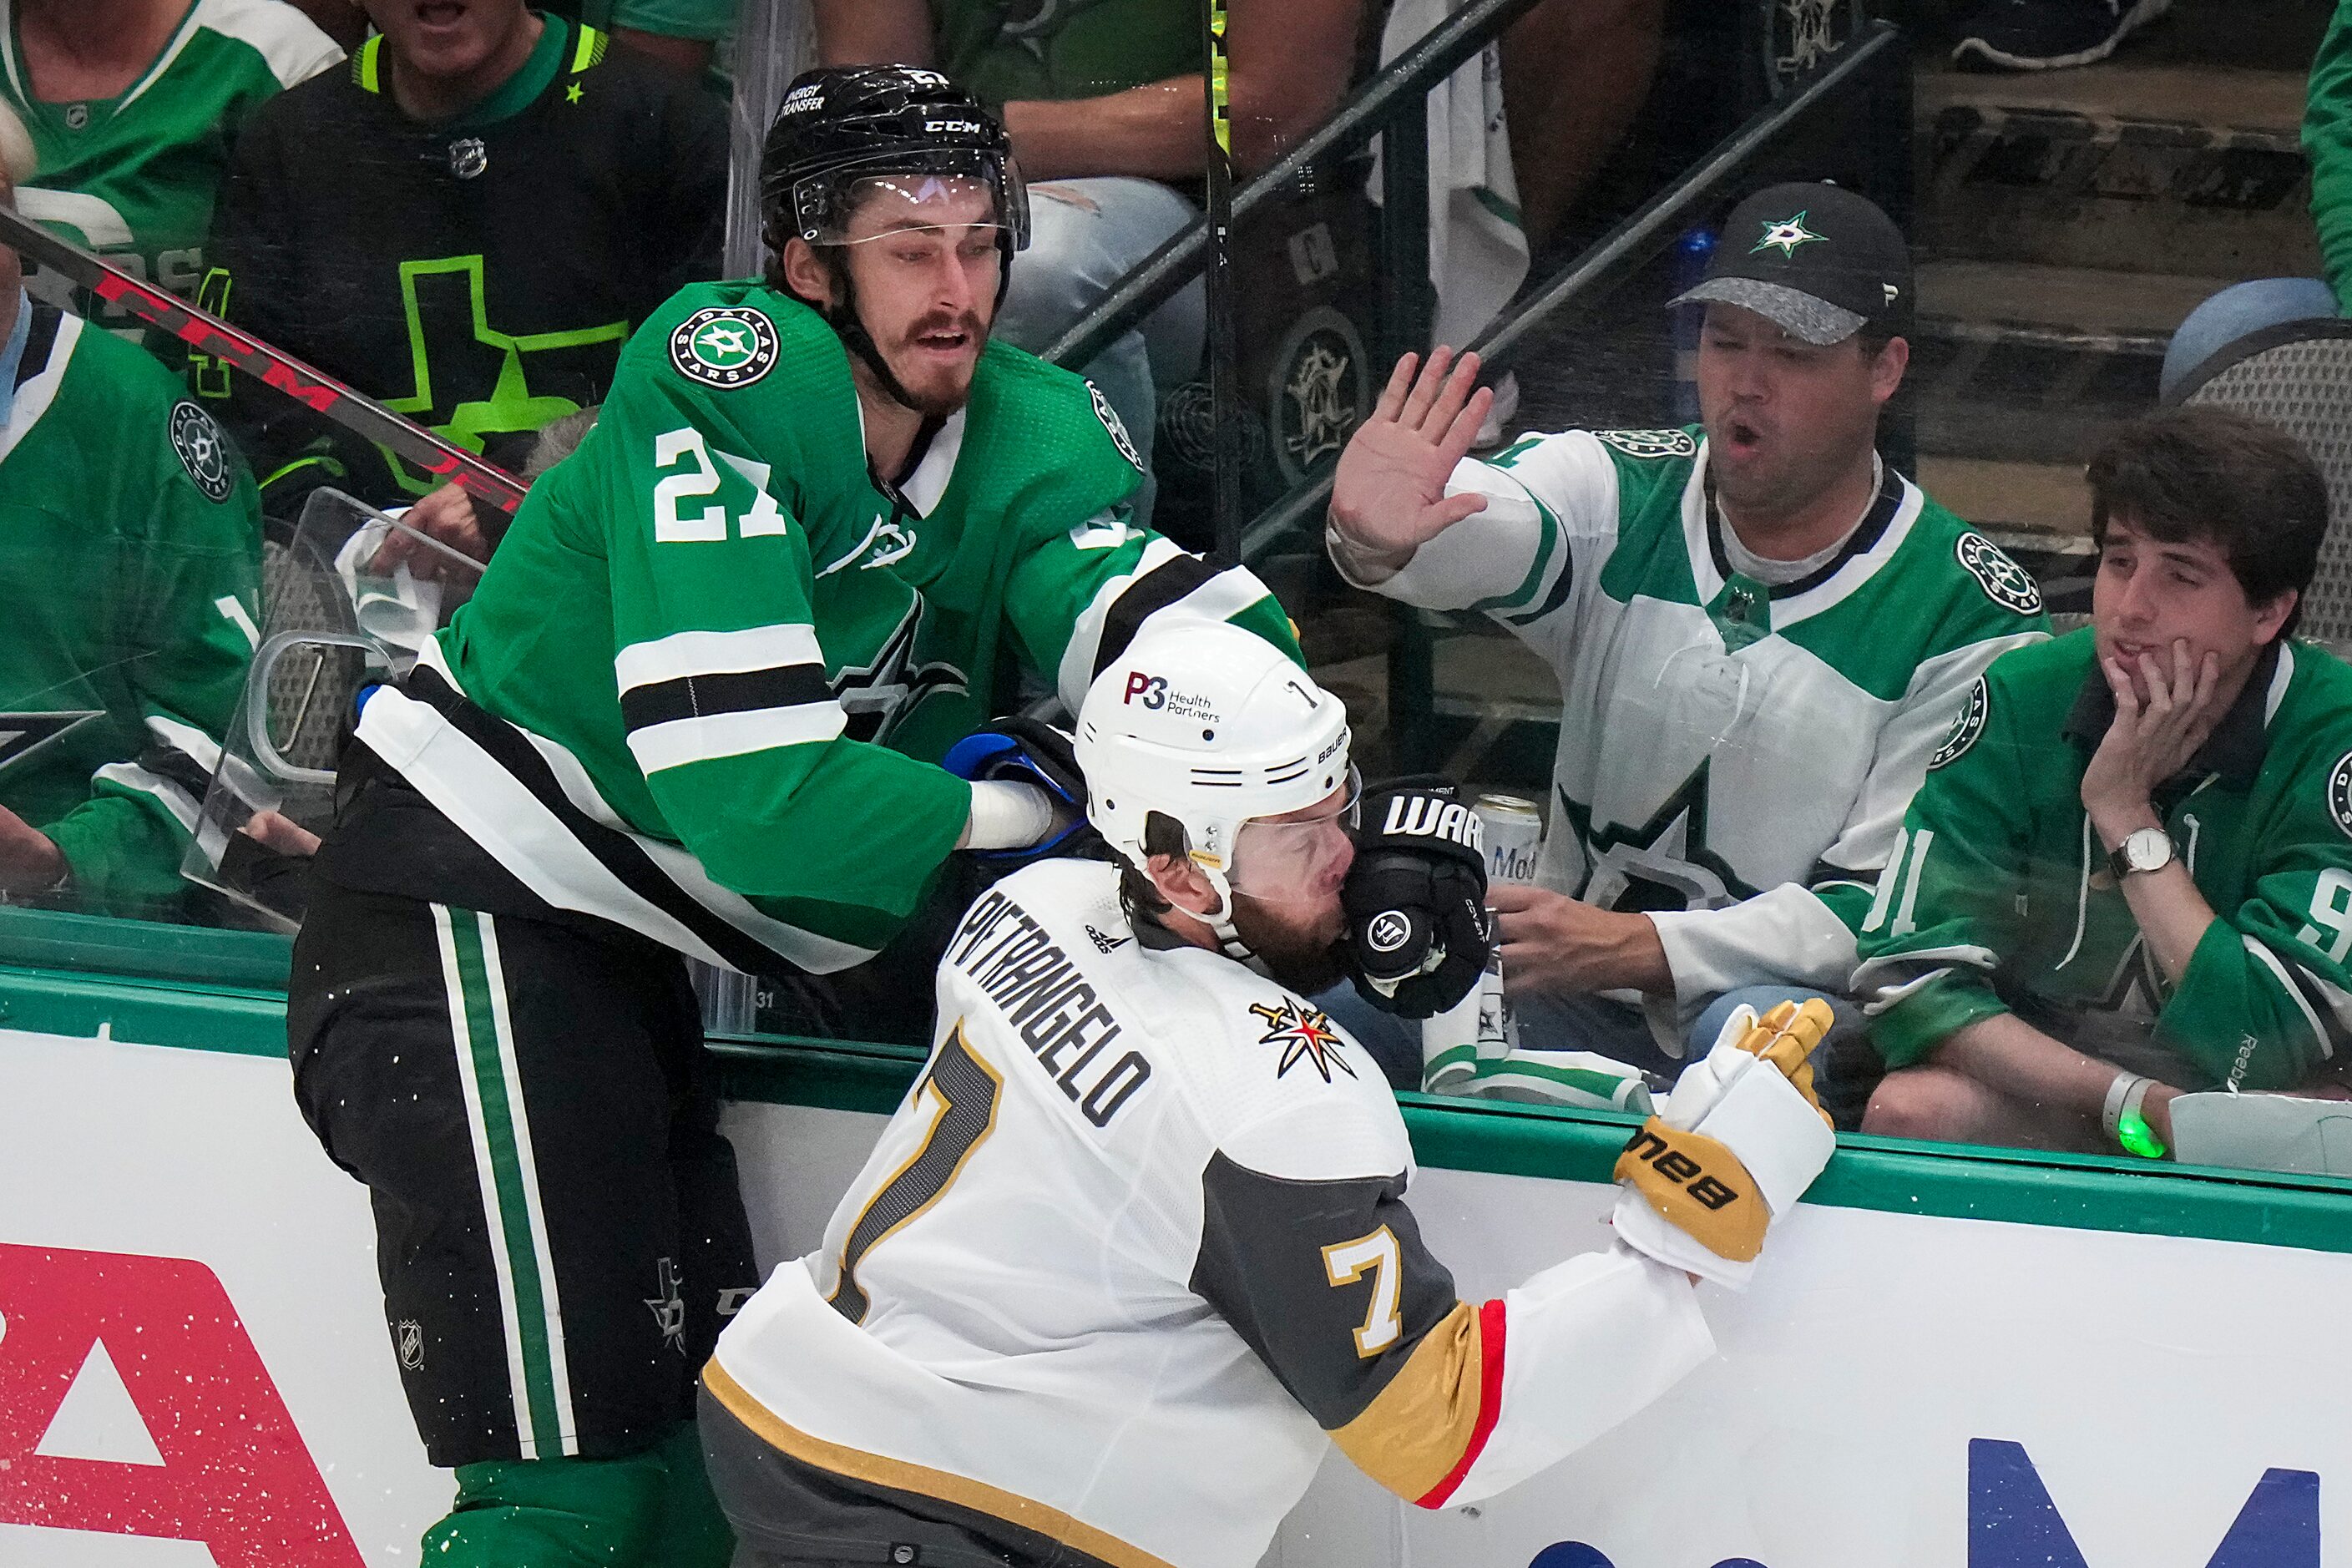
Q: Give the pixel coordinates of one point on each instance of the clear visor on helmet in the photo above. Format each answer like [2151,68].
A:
[951,195]
[1299,860]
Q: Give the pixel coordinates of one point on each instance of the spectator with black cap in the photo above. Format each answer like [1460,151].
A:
[1761,631]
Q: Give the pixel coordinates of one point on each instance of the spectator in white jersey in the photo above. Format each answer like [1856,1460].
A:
[1760,630]
[1135,1254]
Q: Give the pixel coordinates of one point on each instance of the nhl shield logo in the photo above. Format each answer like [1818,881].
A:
[2005,582]
[1967,725]
[2339,793]
[408,1338]
[724,347]
[1651,445]
[197,440]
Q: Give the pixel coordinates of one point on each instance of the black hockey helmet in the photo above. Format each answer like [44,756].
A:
[845,132]
[842,125]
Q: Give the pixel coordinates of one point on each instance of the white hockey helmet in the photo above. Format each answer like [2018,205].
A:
[1194,731]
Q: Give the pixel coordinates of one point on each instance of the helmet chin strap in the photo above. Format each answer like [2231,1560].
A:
[1221,921]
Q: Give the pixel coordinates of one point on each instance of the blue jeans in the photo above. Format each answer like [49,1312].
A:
[1580,1023]
[1083,236]
[2238,312]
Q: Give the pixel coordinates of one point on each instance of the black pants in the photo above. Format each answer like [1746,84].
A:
[559,1227]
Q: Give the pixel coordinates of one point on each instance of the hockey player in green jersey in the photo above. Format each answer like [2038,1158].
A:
[2129,872]
[130,561]
[1760,630]
[132,105]
[697,707]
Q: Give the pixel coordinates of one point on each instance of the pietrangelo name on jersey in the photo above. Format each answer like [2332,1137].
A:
[1049,1005]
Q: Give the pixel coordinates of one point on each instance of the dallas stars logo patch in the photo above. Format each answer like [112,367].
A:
[2005,582]
[197,440]
[1966,727]
[1114,423]
[21,734]
[2339,793]
[1652,446]
[1304,1035]
[724,347]
[1785,236]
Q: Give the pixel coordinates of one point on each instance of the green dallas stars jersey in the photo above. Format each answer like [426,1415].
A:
[1999,898]
[132,179]
[722,664]
[1733,759]
[131,566]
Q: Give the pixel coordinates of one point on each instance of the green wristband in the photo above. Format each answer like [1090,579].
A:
[2137,1137]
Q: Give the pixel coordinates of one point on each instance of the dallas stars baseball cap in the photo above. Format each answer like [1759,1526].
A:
[1819,261]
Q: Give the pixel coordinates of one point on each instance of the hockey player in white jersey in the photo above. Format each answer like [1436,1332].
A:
[1135,1248]
[1760,629]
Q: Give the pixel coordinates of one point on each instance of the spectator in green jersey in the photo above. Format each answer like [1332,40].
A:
[2129,870]
[132,105]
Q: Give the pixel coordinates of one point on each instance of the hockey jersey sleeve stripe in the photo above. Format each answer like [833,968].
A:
[685,655]
[181,737]
[710,736]
[1150,592]
[1413,1436]
[1493,1319]
[742,692]
[132,777]
[2294,993]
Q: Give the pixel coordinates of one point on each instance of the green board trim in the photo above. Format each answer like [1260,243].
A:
[144,949]
[1890,1175]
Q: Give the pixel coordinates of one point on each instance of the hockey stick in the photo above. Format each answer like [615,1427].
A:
[315,390]
[1226,420]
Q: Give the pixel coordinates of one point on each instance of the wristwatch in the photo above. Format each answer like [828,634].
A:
[2143,849]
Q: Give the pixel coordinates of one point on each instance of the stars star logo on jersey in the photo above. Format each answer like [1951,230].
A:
[669,1307]
[1785,235]
[21,734]
[1968,725]
[2005,582]
[197,440]
[572,93]
[2339,789]
[1664,863]
[1304,1035]
[878,695]
[724,347]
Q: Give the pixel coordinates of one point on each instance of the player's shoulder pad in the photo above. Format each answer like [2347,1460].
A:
[1066,411]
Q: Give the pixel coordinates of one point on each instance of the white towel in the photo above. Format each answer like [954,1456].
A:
[1477,252]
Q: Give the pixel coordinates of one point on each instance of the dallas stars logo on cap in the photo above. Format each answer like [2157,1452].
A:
[1787,233]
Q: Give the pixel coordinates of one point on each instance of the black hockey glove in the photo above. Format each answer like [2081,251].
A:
[1416,898]
[1029,751]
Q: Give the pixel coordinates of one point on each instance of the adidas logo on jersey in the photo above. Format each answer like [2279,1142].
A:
[1106,943]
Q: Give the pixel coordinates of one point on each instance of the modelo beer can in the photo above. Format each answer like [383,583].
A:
[1514,834]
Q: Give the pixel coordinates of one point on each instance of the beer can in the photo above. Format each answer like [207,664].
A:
[1513,827]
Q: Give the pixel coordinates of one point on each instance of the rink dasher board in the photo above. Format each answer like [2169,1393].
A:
[1950,1359]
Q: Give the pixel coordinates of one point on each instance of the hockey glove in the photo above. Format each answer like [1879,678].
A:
[1416,898]
[1739,1142]
[1030,752]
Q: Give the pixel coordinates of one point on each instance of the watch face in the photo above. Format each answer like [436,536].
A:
[2146,849]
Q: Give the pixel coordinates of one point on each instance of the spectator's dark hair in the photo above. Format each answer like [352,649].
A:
[2210,474]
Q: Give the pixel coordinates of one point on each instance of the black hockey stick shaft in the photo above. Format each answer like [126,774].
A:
[314,389]
[1227,420]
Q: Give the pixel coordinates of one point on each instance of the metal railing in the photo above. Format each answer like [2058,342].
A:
[1388,105]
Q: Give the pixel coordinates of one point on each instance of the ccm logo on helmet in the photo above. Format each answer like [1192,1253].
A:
[1425,816]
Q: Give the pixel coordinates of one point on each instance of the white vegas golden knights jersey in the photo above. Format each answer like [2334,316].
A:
[1132,1253]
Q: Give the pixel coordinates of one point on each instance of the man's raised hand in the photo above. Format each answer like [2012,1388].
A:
[1389,497]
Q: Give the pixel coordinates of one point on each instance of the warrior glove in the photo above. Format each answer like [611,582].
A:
[1738,1143]
[1416,898]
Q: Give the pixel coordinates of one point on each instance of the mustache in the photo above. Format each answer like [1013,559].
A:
[943,321]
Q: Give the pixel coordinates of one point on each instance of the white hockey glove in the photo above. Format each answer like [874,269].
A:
[1738,1141]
